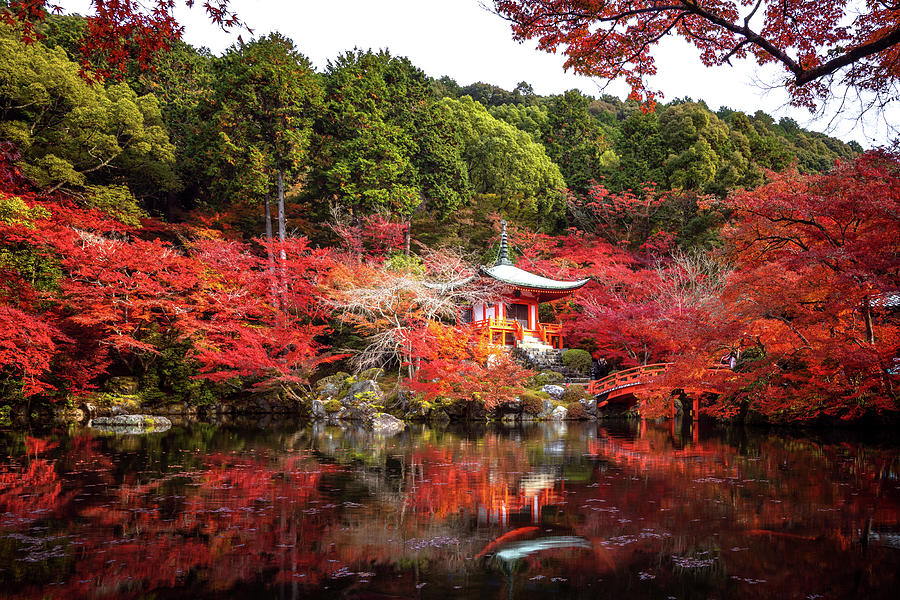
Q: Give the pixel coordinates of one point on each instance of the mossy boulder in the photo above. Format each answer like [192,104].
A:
[123,386]
[373,373]
[104,404]
[577,411]
[367,388]
[554,391]
[560,413]
[363,399]
[131,424]
[532,402]
[333,385]
[385,424]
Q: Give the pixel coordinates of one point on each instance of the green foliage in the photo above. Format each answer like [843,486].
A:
[405,264]
[333,406]
[641,152]
[171,375]
[573,394]
[39,269]
[506,162]
[72,133]
[574,141]
[532,402]
[5,419]
[577,360]
[116,201]
[532,119]
[546,378]
[382,143]
[14,211]
[261,110]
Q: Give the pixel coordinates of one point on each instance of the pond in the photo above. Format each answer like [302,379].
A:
[289,510]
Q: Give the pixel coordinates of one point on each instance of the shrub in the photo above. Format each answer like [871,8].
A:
[577,360]
[332,406]
[573,393]
[532,402]
[576,411]
[545,378]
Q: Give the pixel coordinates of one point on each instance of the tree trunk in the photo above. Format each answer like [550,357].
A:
[272,290]
[268,219]
[281,222]
[408,234]
[867,319]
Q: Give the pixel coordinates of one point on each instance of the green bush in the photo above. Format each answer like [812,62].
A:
[577,360]
[545,378]
[573,394]
[532,402]
[333,406]
[405,265]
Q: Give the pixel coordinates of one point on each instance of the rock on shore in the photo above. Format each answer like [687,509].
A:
[131,424]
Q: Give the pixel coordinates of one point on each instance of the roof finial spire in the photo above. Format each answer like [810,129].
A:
[503,252]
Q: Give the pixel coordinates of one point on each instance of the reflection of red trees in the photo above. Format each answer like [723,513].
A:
[236,518]
[224,519]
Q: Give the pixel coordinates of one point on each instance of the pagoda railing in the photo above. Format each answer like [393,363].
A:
[549,333]
[501,326]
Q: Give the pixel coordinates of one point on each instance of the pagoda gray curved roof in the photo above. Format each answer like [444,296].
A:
[513,275]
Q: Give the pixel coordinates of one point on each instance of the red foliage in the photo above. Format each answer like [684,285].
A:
[458,364]
[812,41]
[120,31]
[115,295]
[818,260]
[249,317]
[371,237]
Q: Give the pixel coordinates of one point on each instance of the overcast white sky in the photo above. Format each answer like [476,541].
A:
[461,39]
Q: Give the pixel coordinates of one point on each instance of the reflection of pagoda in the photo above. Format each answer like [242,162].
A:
[513,320]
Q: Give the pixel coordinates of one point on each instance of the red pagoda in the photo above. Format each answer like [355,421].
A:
[513,320]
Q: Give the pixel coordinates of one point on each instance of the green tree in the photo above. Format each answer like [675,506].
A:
[265,95]
[382,144]
[641,151]
[182,79]
[703,153]
[574,141]
[507,162]
[533,119]
[72,133]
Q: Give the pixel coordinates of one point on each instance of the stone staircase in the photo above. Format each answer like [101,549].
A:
[540,356]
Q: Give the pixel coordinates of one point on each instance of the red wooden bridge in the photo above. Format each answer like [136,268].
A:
[631,381]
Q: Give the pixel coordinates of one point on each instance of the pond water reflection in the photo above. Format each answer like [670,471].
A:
[572,510]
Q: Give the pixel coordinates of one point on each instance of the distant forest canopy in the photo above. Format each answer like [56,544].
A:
[199,133]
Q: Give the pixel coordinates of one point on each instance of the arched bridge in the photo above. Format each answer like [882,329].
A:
[632,381]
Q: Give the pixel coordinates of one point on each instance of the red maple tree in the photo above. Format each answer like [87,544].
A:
[814,42]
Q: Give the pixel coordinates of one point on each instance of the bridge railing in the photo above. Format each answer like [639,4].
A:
[628,377]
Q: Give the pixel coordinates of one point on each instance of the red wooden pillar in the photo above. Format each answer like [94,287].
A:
[695,412]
